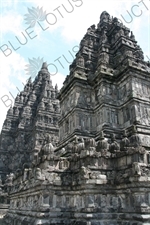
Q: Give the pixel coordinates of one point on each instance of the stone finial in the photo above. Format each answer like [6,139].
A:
[30,80]
[105,17]
[76,139]
[56,87]
[124,133]
[44,66]
[132,36]
[134,129]
[102,135]
[10,111]
[17,98]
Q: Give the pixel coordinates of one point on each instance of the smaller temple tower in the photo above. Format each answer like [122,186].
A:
[35,115]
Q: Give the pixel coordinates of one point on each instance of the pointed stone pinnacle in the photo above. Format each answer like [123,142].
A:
[44,66]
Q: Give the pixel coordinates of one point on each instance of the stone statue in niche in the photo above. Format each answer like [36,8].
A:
[125,118]
[117,35]
[136,169]
[104,38]
[16,111]
[27,109]
[64,164]
[53,95]
[48,149]
[67,179]
[67,126]
[96,44]
[121,32]
[139,54]
[89,63]
[145,117]
[39,175]
[75,145]
[104,58]
[35,157]
[113,119]
[49,94]
[90,43]
[9,181]
[32,96]
[25,175]
[108,116]
[127,32]
[125,143]
[135,114]
[81,122]
[84,173]
[69,147]
[57,107]
[50,106]
[21,98]
[135,140]
[80,61]
[118,58]
[102,145]
[85,50]
[114,146]
[128,53]
[127,113]
[27,100]
[90,144]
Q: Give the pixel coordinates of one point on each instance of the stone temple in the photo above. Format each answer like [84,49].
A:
[81,155]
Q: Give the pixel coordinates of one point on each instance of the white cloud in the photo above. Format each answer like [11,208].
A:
[11,22]
[58,79]
[74,25]
[11,74]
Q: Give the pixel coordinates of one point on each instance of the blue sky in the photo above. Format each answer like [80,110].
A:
[59,39]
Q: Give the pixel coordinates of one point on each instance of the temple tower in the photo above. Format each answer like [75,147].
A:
[108,85]
[35,114]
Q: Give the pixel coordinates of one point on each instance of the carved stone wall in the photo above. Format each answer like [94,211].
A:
[92,186]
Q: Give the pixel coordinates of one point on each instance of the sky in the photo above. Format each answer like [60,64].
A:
[35,31]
